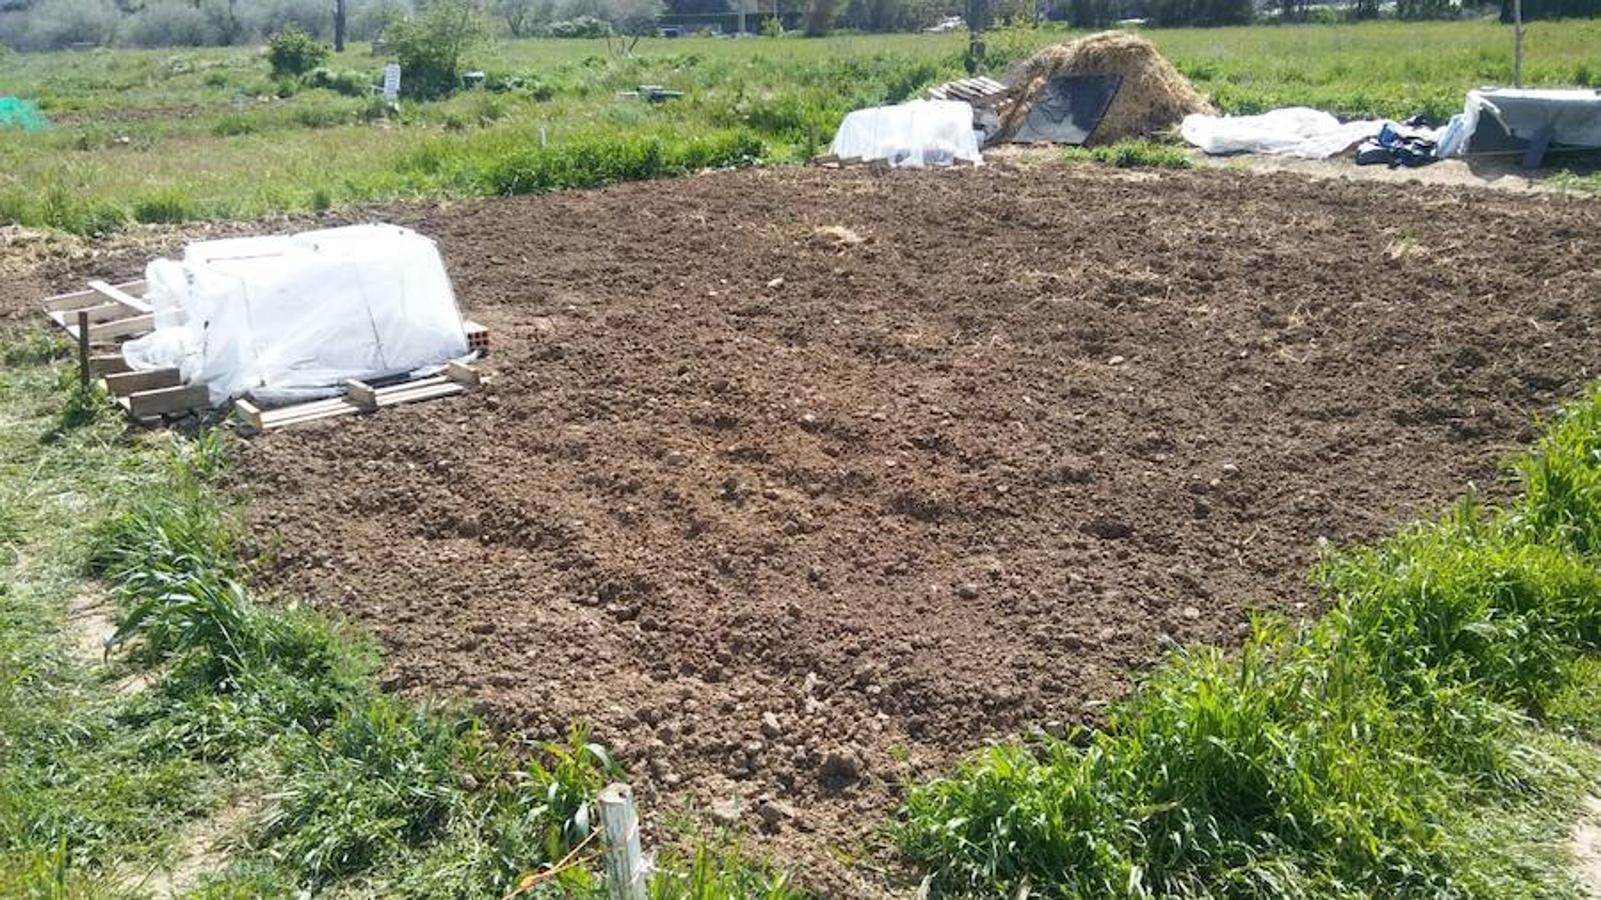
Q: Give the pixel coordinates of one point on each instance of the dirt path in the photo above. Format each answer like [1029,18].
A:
[790,516]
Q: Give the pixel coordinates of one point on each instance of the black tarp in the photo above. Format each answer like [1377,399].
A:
[1069,109]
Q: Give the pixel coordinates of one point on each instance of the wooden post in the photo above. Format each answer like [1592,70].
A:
[625,863]
[339,26]
[83,350]
[1517,43]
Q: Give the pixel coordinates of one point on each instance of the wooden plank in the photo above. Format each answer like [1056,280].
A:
[362,394]
[79,299]
[462,374]
[344,409]
[118,295]
[121,384]
[431,392]
[122,327]
[107,364]
[168,400]
[248,413]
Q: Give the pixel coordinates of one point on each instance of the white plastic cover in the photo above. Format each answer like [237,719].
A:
[1292,131]
[290,317]
[1573,115]
[913,134]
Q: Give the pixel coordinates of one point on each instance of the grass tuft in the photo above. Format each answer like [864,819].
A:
[1132,154]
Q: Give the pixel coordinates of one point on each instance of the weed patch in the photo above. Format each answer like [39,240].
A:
[1132,154]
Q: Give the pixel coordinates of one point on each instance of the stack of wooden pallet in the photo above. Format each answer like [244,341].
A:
[985,93]
[360,397]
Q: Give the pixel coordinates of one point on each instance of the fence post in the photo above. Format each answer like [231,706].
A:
[83,351]
[625,863]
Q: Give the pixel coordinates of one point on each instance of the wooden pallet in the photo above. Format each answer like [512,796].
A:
[360,397]
[986,93]
[114,311]
[830,161]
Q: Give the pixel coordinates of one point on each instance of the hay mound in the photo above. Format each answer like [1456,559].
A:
[1153,95]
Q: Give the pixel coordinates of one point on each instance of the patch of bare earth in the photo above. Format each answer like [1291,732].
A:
[797,483]
[1586,846]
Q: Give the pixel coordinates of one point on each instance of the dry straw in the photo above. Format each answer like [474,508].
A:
[1153,96]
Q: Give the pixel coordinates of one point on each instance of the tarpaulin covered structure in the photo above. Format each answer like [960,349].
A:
[912,135]
[1510,119]
[292,317]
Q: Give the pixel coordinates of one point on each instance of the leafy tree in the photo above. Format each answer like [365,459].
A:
[820,16]
[430,45]
[293,53]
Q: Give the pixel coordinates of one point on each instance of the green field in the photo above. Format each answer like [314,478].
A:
[154,136]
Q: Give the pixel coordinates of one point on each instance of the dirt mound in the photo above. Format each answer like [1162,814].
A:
[1153,95]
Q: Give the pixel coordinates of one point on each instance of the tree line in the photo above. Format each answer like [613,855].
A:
[57,24]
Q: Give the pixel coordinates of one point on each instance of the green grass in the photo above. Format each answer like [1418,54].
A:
[1429,736]
[359,790]
[1132,155]
[211,137]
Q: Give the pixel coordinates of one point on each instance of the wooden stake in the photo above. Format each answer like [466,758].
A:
[83,350]
[625,863]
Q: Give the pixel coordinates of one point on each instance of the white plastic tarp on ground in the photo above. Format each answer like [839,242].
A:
[914,134]
[1574,116]
[1292,131]
[291,317]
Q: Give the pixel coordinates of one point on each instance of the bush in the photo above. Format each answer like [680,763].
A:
[581,27]
[430,45]
[293,52]
[170,24]
[55,24]
[350,84]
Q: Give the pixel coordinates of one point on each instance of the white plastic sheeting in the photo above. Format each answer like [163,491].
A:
[914,134]
[292,317]
[1574,116]
[1292,131]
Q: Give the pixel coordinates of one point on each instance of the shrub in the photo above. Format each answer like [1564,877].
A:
[430,45]
[55,24]
[293,52]
[581,27]
[170,24]
[350,84]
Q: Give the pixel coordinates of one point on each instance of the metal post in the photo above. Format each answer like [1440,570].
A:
[625,863]
[1517,43]
[83,350]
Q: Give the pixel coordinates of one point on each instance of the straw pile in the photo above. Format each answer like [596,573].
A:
[1153,96]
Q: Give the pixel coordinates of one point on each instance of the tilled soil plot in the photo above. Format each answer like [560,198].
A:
[796,484]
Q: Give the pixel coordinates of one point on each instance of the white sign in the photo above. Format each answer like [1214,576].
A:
[391,81]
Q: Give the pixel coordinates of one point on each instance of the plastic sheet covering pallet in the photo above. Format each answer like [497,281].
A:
[118,312]
[360,397]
